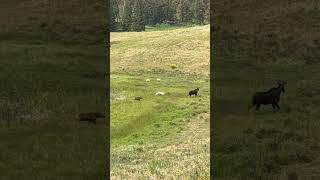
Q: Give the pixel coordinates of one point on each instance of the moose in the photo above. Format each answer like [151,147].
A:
[195,92]
[272,96]
[91,116]
[138,98]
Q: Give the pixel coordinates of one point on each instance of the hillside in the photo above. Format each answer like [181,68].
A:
[50,73]
[269,31]
[160,136]
[258,43]
[187,48]
[70,21]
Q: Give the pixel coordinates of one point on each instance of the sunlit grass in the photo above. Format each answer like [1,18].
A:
[160,136]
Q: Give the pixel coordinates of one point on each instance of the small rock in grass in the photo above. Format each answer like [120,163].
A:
[121,98]
[147,80]
[160,94]
[158,79]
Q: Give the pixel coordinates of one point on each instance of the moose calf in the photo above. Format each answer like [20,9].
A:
[138,98]
[91,116]
[194,92]
[269,97]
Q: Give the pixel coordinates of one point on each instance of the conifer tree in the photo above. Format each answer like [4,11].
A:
[126,17]
[138,21]
[199,11]
[113,15]
[134,15]
[183,12]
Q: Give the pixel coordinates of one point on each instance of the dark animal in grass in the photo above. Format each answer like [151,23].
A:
[272,96]
[194,92]
[91,116]
[138,98]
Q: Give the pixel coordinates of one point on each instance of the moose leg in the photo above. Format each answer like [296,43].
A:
[250,107]
[277,105]
[274,107]
[257,107]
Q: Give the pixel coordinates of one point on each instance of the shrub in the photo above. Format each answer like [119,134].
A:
[173,66]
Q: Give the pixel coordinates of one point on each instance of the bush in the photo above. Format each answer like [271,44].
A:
[173,66]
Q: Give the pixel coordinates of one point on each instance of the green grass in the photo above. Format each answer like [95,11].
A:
[258,43]
[154,114]
[160,136]
[166,27]
[265,143]
[44,85]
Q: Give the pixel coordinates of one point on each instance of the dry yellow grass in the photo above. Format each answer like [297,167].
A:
[187,48]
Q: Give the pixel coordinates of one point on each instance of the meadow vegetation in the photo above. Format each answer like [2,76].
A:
[52,68]
[166,136]
[257,43]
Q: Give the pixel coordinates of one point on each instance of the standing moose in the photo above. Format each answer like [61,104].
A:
[269,97]
[194,92]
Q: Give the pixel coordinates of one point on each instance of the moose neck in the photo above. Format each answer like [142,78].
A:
[278,90]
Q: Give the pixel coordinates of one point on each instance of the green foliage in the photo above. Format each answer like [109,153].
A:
[173,66]
[113,14]
[127,16]
[138,23]
[199,11]
[184,12]
[134,15]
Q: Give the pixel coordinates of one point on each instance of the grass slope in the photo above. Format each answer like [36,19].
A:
[44,85]
[258,43]
[46,78]
[155,137]
[68,21]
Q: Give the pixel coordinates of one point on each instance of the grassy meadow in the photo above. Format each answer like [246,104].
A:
[47,77]
[258,43]
[44,86]
[160,137]
[266,144]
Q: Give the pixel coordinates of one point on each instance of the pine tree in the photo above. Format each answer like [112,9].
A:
[126,17]
[183,12]
[138,21]
[207,13]
[199,11]
[113,15]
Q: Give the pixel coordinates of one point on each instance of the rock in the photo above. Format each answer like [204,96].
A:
[160,94]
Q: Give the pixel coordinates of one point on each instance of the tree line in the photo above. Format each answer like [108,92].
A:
[134,15]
